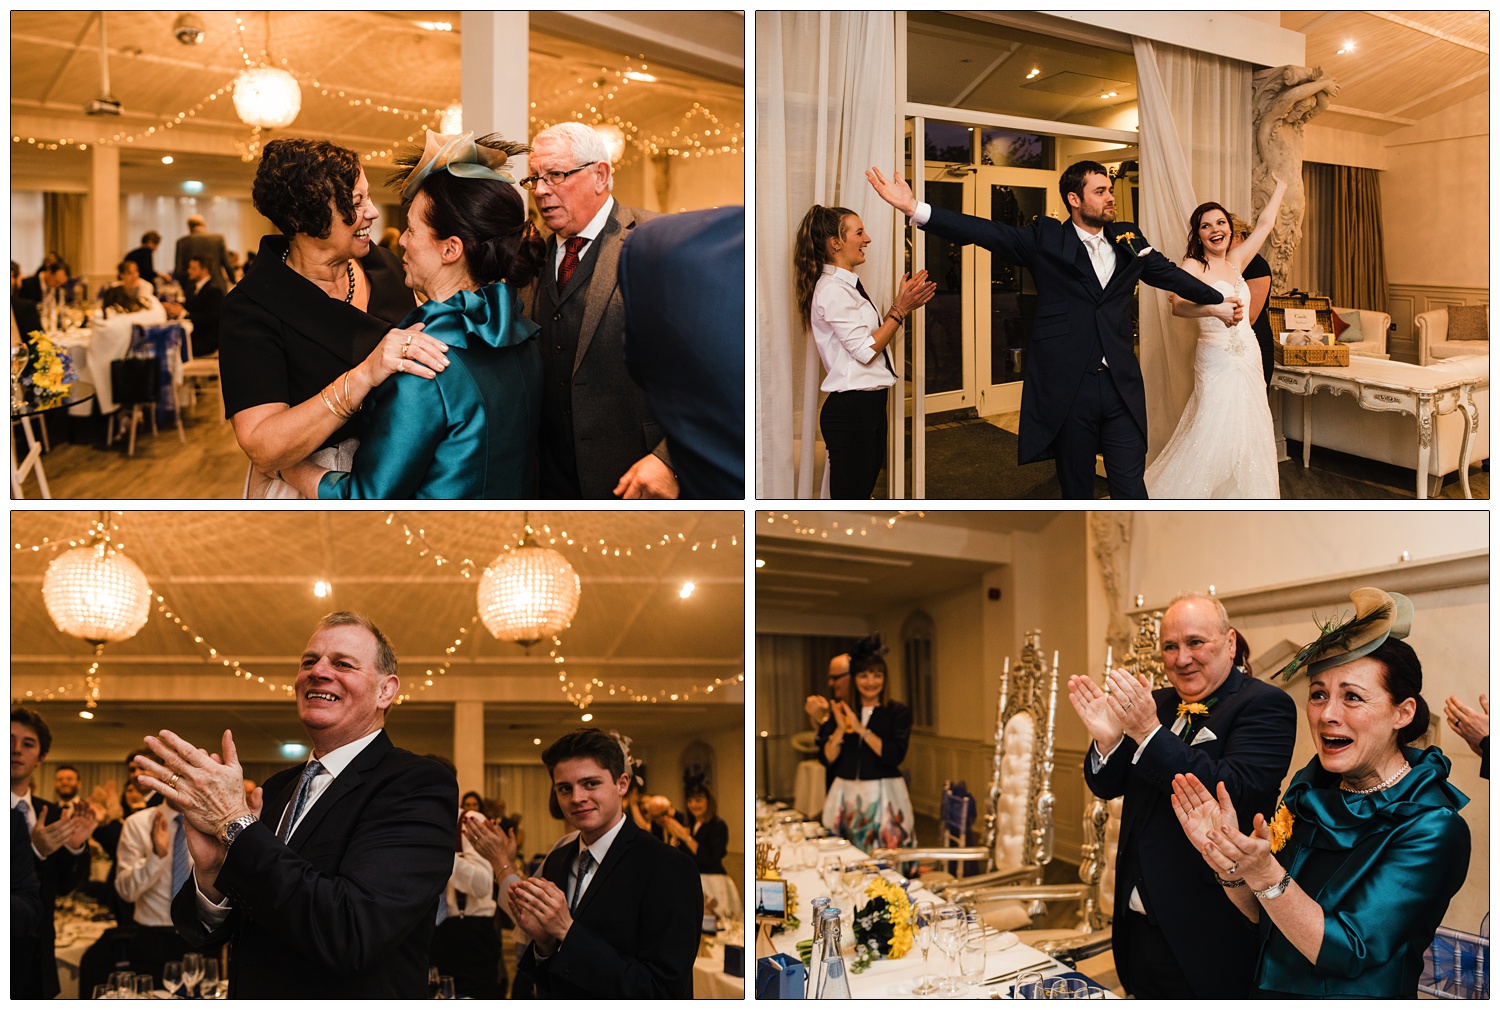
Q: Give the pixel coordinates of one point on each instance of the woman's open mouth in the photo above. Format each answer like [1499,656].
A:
[1335,744]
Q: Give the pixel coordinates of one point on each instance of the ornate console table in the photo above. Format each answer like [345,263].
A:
[1423,392]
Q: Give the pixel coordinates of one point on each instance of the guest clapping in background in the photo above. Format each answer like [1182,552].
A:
[1350,879]
[868,803]
[1473,726]
[853,340]
[705,835]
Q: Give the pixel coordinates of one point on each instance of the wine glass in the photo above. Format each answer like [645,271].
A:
[171,977]
[850,874]
[145,985]
[192,972]
[829,871]
[949,936]
[794,837]
[922,917]
[210,980]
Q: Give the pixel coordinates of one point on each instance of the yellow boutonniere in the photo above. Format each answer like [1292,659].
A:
[1192,708]
[1281,828]
[1125,236]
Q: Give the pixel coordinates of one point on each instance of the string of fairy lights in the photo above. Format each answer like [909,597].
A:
[832,528]
[580,694]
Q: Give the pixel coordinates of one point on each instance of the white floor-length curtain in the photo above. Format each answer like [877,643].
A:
[1196,146]
[825,112]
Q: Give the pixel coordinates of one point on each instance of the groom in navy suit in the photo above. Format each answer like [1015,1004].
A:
[1083,392]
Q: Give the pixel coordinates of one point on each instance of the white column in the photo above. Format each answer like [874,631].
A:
[495,56]
[468,745]
[101,236]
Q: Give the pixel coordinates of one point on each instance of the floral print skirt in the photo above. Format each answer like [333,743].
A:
[871,813]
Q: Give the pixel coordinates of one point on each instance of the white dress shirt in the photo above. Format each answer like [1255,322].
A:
[475,877]
[598,850]
[141,876]
[843,327]
[334,762]
[590,232]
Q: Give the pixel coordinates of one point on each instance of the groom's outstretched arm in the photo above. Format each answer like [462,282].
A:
[1013,245]
[1161,272]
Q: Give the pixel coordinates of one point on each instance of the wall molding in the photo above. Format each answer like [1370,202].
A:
[1471,568]
[1405,301]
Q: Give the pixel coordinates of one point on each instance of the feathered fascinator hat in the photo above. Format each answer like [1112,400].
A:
[864,650]
[457,153]
[1378,615]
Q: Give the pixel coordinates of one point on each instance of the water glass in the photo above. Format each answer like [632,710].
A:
[971,956]
[1065,988]
[103,991]
[949,936]
[145,986]
[1028,985]
[210,981]
[445,987]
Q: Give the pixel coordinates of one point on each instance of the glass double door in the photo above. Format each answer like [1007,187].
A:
[979,322]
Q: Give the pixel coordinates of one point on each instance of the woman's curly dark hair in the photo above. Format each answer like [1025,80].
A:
[488,216]
[299,178]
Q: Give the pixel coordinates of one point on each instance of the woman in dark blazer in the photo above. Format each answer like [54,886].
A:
[868,803]
[308,333]
[705,835]
[472,431]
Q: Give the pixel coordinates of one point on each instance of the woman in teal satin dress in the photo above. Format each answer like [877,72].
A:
[472,431]
[1351,878]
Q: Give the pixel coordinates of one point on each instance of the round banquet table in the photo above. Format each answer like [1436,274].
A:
[886,979]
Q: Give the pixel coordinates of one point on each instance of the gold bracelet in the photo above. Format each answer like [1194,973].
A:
[329,404]
[344,411]
[347,397]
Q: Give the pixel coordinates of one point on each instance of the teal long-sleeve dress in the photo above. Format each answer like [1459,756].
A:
[1383,867]
[469,433]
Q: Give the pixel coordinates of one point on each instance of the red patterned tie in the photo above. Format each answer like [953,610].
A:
[570,260]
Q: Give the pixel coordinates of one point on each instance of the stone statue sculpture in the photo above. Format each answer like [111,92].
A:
[1285,99]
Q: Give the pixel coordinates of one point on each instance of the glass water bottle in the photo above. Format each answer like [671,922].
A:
[815,959]
[833,981]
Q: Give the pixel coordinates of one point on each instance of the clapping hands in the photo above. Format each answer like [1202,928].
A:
[1473,726]
[69,831]
[1213,828]
[893,191]
[914,293]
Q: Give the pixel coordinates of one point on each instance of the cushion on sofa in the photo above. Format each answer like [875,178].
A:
[1346,327]
[1469,322]
[1464,349]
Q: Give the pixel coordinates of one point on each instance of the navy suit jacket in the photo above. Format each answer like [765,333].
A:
[635,931]
[1254,726]
[345,909]
[1076,319]
[683,278]
[33,965]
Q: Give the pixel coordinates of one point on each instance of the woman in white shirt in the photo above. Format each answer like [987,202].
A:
[852,338]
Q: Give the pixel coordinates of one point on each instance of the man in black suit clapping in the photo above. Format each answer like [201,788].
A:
[614,914]
[327,880]
[1176,934]
[1083,392]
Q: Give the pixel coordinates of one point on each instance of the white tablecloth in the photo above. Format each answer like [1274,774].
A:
[104,341]
[896,979]
[710,982]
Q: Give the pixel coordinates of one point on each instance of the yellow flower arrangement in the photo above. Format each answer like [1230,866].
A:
[1281,828]
[882,927]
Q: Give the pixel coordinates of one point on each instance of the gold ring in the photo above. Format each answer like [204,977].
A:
[173,782]
[408,341]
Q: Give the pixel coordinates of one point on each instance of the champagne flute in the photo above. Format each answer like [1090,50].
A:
[171,977]
[192,972]
[922,914]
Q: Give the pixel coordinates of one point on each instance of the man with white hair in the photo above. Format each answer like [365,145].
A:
[208,247]
[1176,933]
[598,437]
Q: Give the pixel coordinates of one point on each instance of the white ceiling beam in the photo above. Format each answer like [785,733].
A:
[1476,75]
[1320,21]
[763,545]
[787,573]
[1417,26]
[985,74]
[1346,110]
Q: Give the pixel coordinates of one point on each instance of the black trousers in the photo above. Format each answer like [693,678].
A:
[1099,421]
[1153,971]
[468,948]
[854,429]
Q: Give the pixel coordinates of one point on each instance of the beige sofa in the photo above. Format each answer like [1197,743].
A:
[1433,344]
[1374,325]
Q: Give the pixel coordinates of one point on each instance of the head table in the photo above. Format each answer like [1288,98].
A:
[1005,956]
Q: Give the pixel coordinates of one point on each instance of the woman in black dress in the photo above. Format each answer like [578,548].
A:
[308,333]
[1257,274]
[705,835]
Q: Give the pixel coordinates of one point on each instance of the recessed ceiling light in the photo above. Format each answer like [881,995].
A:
[588,717]
[686,590]
[85,714]
[760,562]
[536,741]
[636,75]
[166,159]
[321,589]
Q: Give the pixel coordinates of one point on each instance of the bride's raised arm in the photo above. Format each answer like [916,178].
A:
[1245,251]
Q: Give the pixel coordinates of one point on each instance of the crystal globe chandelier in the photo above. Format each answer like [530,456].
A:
[528,594]
[96,593]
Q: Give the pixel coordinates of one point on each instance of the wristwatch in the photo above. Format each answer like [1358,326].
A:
[231,831]
[1276,890]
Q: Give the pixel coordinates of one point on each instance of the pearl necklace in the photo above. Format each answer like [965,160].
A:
[348,263]
[1400,772]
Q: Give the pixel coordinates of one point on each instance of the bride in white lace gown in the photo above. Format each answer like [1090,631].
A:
[1224,446]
